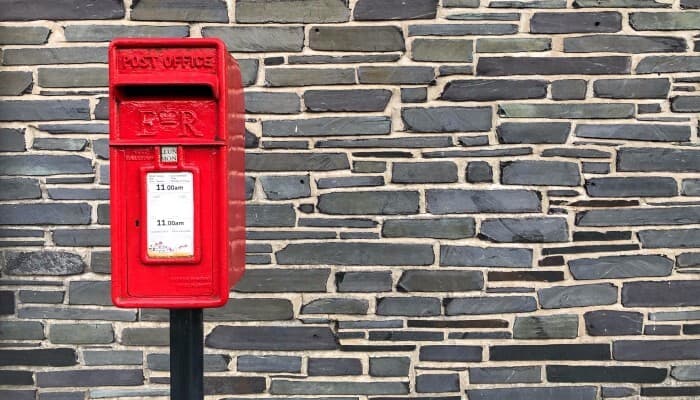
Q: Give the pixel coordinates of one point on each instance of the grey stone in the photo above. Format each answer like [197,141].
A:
[540,393]
[18,10]
[113,357]
[688,260]
[145,337]
[119,393]
[356,38]
[15,83]
[501,66]
[620,267]
[690,4]
[364,281]
[676,238]
[651,159]
[56,55]
[76,313]
[260,162]
[479,171]
[484,17]
[289,387]
[563,326]
[328,126]
[400,142]
[674,315]
[268,363]
[461,29]
[212,362]
[334,366]
[105,33]
[251,309]
[450,353]
[350,181]
[389,366]
[685,104]
[278,338]
[12,140]
[569,89]
[624,44]
[45,214]
[639,216]
[632,88]
[409,306]
[44,110]
[548,173]
[628,374]
[267,215]
[41,296]
[286,187]
[396,75]
[19,189]
[505,152]
[527,4]
[178,10]
[24,34]
[85,128]
[469,256]
[661,64]
[447,70]
[437,383]
[272,103]
[46,262]
[59,144]
[81,237]
[278,77]
[567,111]
[16,378]
[440,281]
[18,394]
[489,305]
[257,39]
[659,294]
[656,350]
[613,323]
[90,292]
[414,95]
[533,132]
[512,45]
[619,4]
[100,262]
[90,378]
[575,22]
[361,202]
[81,333]
[494,89]
[646,132]
[343,59]
[578,295]
[442,50]
[510,375]
[685,373]
[283,280]
[665,21]
[632,187]
[373,10]
[21,330]
[447,119]
[524,230]
[79,194]
[439,228]
[425,172]
[347,100]
[289,11]
[349,253]
[336,306]
[249,71]
[56,357]
[460,3]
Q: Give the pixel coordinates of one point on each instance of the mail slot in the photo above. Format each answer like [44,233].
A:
[176,172]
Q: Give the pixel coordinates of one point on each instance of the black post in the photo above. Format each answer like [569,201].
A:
[186,354]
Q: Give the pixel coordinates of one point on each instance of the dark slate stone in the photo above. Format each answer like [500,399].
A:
[690,4]
[259,162]
[479,172]
[619,4]
[19,189]
[348,253]
[425,172]
[512,45]
[175,10]
[450,353]
[598,373]
[575,153]
[639,216]
[45,214]
[409,306]
[414,95]
[660,294]
[447,119]
[437,383]
[484,17]
[489,305]
[90,378]
[44,110]
[212,362]
[350,181]
[105,33]
[683,104]
[364,281]
[72,77]
[41,296]
[24,34]
[379,10]
[440,281]
[533,132]
[283,280]
[558,352]
[254,39]
[442,228]
[632,88]
[338,223]
[665,21]
[100,262]
[656,350]
[233,385]
[547,173]
[286,187]
[576,22]
[501,66]
[343,59]
[81,333]
[612,267]
[389,366]
[18,394]
[336,306]
[356,38]
[59,55]
[291,387]
[12,140]
[328,126]
[18,10]
[460,3]
[613,323]
[451,201]
[687,391]
[77,313]
[399,142]
[90,293]
[7,302]
[684,260]
[461,29]
[251,309]
[690,187]
[57,357]
[60,144]
[468,256]
[526,276]
[347,100]
[15,83]
[268,363]
[676,238]
[278,77]
[525,230]
[660,64]
[289,11]
[395,75]
[334,366]
[632,187]
[649,159]
[569,89]
[663,330]
[490,375]
[442,50]
[272,103]
[37,165]
[577,295]
[267,215]
[494,89]
[527,4]
[359,202]
[16,378]
[646,132]
[278,338]
[563,326]
[56,263]
[249,71]
[567,110]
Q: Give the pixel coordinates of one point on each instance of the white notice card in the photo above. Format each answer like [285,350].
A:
[170,214]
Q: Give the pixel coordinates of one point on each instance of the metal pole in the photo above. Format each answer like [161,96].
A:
[186,354]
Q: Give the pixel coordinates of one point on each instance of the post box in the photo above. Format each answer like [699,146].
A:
[177,140]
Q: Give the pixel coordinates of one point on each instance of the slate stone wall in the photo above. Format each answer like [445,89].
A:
[476,199]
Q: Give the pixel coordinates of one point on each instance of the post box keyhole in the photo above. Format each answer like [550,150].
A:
[136,222]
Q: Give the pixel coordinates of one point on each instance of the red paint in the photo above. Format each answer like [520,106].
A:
[186,94]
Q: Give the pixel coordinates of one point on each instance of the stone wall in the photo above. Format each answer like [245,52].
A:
[482,199]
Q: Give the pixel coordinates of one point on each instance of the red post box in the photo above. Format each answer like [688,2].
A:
[176,171]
